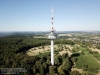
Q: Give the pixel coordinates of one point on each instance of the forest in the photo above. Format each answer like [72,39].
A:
[12,56]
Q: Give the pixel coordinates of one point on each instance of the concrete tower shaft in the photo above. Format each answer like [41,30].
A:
[52,52]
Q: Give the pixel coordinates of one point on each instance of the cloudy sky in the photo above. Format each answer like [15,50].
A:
[35,15]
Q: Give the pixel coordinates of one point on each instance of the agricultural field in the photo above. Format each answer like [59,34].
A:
[88,60]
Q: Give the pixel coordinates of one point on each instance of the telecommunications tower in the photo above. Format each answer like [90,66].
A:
[52,35]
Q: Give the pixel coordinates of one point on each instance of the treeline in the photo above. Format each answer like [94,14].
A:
[35,42]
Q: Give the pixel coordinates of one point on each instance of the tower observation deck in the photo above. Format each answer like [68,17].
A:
[52,35]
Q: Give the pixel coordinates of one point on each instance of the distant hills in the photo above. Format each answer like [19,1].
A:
[3,34]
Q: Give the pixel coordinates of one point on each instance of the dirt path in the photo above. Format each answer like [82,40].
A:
[97,51]
[95,59]
[98,63]
[80,70]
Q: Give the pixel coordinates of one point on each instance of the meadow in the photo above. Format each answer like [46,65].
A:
[86,59]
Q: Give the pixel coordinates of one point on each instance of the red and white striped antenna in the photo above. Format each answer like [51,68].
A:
[52,19]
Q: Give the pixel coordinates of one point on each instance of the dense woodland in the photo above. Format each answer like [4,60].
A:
[12,56]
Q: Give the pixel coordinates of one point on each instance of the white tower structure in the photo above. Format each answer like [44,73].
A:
[52,35]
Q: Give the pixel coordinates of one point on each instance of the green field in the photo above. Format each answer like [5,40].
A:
[86,59]
[97,56]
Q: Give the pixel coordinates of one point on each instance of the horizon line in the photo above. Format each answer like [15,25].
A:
[56,31]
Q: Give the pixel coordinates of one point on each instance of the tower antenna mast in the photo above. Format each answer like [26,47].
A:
[52,18]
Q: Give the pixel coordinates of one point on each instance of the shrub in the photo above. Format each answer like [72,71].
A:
[90,52]
[95,52]
[40,53]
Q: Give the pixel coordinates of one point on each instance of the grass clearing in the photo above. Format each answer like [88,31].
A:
[88,60]
[97,56]
[43,54]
